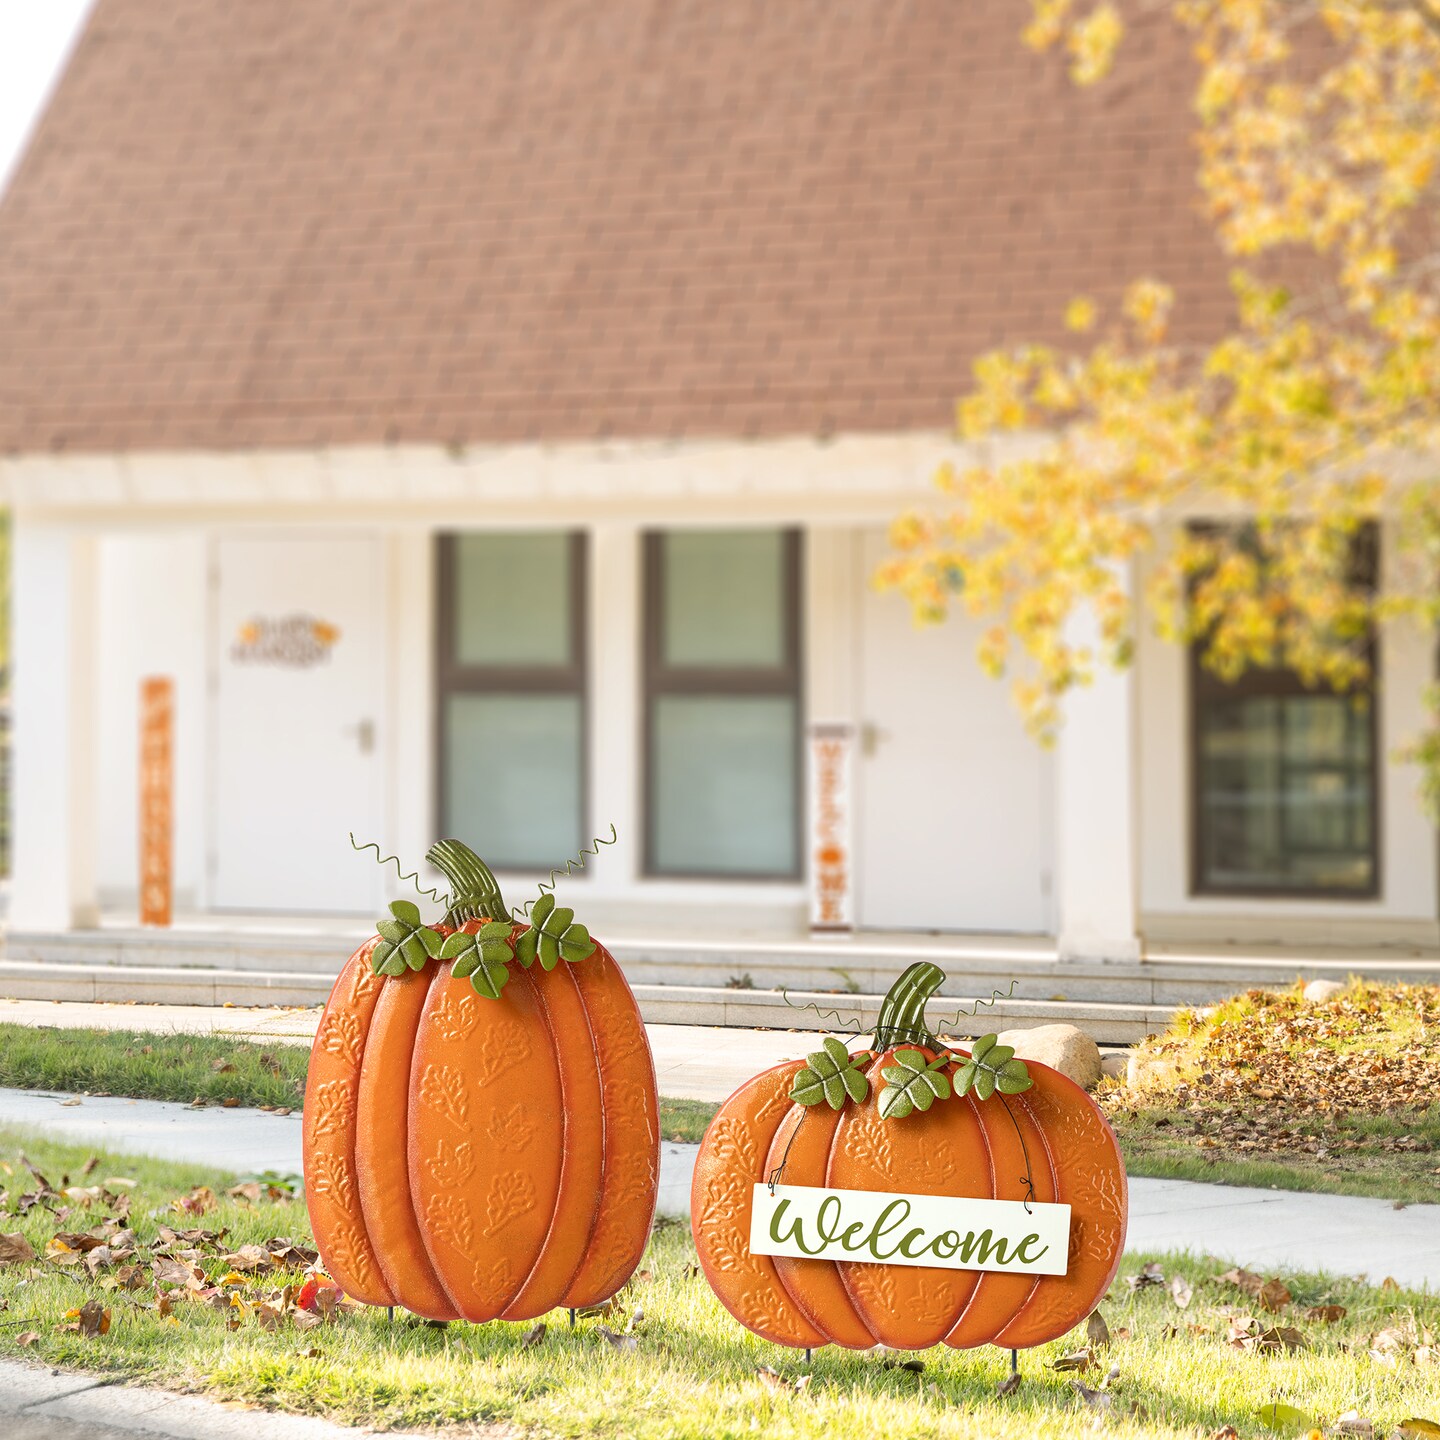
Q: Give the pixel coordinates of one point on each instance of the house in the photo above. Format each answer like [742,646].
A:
[489,417]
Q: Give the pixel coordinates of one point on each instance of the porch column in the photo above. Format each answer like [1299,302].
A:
[54,698]
[1095,826]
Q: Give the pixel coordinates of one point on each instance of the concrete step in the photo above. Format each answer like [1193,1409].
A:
[1109,1022]
[864,964]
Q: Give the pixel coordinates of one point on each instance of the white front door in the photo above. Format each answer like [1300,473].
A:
[300,684]
[954,829]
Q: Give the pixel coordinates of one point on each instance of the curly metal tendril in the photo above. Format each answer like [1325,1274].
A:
[411,879]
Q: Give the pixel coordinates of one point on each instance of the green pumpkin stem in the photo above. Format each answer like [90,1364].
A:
[902,1012]
[474,890]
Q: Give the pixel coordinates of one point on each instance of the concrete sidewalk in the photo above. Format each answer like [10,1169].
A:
[1262,1229]
[37,1403]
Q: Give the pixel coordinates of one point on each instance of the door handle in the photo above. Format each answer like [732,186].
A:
[364,733]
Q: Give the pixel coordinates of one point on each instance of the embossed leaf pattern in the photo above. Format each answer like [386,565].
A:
[912,1083]
[452,1165]
[328,1175]
[456,1014]
[511,1195]
[442,1088]
[510,1129]
[992,1067]
[500,1047]
[341,1035]
[334,1106]
[832,1074]
[405,941]
[450,1220]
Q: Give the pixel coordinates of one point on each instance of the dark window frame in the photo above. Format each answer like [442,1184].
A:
[658,679]
[1281,683]
[454,678]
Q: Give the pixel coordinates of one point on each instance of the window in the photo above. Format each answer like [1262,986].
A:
[1285,782]
[511,704]
[722,703]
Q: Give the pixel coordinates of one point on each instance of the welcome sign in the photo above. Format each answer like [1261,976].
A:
[884,1227]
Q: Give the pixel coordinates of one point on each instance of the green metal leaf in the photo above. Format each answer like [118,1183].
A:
[834,1092]
[965,1077]
[414,952]
[894,1103]
[557,921]
[914,1083]
[549,951]
[432,941]
[496,952]
[576,944]
[489,980]
[407,911]
[856,1085]
[379,955]
[840,1054]
[983,1046]
[807,1088]
[456,944]
[541,909]
[984,1086]
[495,930]
[467,963]
[395,965]
[1014,1078]
[525,947]
[393,931]
[997,1055]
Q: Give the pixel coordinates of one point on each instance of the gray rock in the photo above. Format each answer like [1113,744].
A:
[1114,1067]
[1062,1047]
[1318,991]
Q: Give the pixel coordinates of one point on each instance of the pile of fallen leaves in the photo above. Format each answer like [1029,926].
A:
[1231,1320]
[270,1285]
[1270,1072]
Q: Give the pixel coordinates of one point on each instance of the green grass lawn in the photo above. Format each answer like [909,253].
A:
[1271,1090]
[668,1361]
[213,1068]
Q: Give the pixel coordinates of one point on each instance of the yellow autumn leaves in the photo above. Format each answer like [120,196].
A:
[1316,415]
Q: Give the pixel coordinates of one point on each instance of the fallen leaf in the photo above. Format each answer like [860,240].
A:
[773,1379]
[1097,1400]
[1008,1386]
[1326,1314]
[309,1354]
[1353,1423]
[1280,1337]
[1413,1429]
[15,1249]
[1225,1432]
[1181,1291]
[91,1320]
[1250,1283]
[1076,1360]
[1276,1416]
[533,1336]
[27,1338]
[1274,1294]
[1389,1283]
[1097,1332]
[1391,1339]
[620,1342]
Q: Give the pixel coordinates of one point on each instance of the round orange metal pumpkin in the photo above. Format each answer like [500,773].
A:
[1050,1143]
[485,1147]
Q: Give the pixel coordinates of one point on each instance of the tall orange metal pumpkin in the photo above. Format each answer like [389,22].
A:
[1045,1140]
[481,1131]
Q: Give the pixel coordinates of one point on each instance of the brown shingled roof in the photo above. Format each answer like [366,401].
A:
[304,222]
